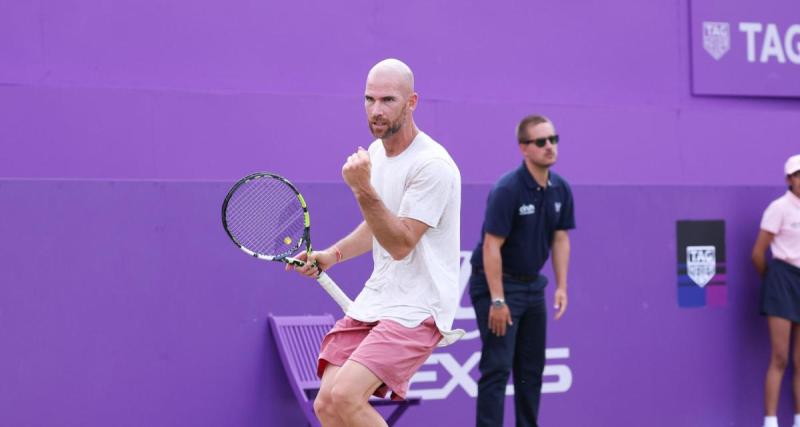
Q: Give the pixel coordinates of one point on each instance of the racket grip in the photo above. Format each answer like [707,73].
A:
[334,291]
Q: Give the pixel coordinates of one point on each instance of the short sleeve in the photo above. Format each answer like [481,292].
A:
[772,218]
[567,218]
[500,212]
[429,192]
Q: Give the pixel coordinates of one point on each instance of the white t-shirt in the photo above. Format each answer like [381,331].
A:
[782,218]
[421,183]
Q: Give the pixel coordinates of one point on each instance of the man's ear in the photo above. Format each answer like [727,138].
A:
[412,101]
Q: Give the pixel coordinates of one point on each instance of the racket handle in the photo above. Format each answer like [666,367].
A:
[334,291]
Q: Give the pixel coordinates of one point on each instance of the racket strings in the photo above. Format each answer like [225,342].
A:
[265,216]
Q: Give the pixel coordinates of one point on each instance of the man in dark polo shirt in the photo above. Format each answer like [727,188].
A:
[528,213]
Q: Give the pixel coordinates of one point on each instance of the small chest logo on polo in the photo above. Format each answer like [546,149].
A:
[557,206]
[527,210]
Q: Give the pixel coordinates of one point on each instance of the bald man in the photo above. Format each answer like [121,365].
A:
[409,191]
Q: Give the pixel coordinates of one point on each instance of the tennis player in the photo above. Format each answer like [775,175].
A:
[409,191]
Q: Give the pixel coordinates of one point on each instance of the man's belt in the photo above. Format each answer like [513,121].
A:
[515,277]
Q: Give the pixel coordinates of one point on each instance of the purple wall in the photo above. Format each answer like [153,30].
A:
[208,90]
[123,303]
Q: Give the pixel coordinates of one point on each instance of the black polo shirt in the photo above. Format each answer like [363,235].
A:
[527,215]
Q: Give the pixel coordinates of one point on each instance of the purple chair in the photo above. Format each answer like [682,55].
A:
[298,339]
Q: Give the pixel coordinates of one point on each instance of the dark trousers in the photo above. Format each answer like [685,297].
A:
[521,351]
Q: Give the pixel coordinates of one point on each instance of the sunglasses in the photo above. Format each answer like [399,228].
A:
[540,142]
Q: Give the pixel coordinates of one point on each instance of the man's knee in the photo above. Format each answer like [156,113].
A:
[323,405]
[345,400]
[495,363]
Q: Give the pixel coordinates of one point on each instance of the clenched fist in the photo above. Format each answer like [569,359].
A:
[357,170]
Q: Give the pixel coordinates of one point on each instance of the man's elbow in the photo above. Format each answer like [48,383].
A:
[401,252]
[490,246]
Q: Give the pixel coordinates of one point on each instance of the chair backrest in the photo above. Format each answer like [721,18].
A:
[298,339]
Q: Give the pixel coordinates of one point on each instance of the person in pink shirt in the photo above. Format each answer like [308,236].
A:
[780,292]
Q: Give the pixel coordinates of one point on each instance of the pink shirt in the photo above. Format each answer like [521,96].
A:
[782,218]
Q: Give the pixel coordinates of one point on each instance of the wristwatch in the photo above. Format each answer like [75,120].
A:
[498,303]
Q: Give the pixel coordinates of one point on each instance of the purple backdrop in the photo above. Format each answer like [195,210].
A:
[207,90]
[122,124]
[123,303]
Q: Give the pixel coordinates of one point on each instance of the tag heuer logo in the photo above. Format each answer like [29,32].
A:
[716,38]
[701,264]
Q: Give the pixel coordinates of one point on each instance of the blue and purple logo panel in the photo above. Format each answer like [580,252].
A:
[701,263]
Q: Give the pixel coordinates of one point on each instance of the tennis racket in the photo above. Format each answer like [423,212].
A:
[267,218]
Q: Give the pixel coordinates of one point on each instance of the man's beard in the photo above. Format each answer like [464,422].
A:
[391,128]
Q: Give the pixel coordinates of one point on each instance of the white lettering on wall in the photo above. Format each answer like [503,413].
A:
[557,378]
[772,46]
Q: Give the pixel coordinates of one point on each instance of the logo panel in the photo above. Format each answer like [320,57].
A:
[701,263]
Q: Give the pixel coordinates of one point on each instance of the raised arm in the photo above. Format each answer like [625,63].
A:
[399,236]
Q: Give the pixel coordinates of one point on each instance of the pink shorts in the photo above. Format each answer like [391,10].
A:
[388,349]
